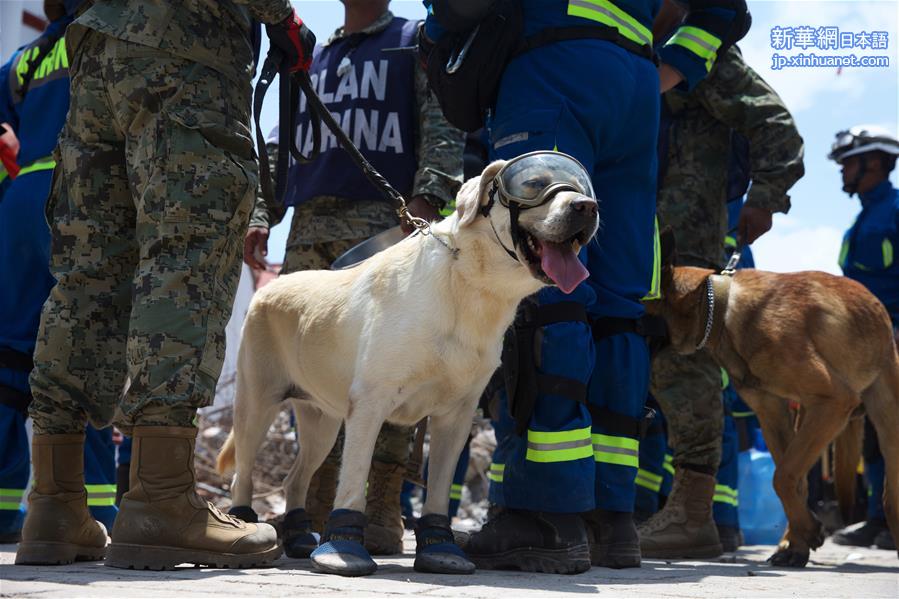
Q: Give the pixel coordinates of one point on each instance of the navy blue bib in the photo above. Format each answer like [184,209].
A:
[372,95]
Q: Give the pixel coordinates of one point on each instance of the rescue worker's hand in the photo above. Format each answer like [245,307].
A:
[668,77]
[8,138]
[753,223]
[419,206]
[295,40]
[255,248]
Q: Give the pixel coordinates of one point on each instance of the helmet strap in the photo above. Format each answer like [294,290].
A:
[852,187]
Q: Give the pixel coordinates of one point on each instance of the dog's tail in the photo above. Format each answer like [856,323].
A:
[225,462]
[847,453]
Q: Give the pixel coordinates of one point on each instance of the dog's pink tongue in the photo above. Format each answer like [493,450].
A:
[561,265]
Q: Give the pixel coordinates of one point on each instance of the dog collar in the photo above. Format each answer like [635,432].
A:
[713,296]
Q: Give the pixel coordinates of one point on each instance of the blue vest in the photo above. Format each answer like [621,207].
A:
[372,96]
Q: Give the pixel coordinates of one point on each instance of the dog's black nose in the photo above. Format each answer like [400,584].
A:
[585,205]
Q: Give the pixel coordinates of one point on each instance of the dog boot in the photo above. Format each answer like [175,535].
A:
[684,528]
[731,538]
[342,551]
[863,536]
[59,528]
[384,532]
[162,522]
[296,534]
[614,542]
[321,493]
[436,551]
[531,542]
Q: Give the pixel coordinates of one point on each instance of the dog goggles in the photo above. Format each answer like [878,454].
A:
[534,178]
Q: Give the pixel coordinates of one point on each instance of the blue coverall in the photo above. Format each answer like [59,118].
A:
[598,102]
[867,256]
[37,116]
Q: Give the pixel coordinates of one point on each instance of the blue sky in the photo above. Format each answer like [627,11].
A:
[822,101]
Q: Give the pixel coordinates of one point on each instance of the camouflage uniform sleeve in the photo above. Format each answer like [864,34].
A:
[265,215]
[737,96]
[439,148]
[268,11]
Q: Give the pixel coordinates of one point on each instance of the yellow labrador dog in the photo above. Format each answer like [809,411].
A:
[414,331]
[822,341]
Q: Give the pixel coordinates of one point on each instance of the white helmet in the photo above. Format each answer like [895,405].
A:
[861,139]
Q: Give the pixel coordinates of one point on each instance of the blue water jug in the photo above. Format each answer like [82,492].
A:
[762,517]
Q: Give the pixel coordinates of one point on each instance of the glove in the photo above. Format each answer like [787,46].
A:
[295,40]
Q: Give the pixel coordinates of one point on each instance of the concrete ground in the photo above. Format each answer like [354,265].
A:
[834,571]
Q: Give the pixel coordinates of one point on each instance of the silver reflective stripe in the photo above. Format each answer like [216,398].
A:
[590,6]
[561,445]
[610,449]
[697,41]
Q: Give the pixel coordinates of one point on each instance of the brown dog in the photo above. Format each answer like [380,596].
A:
[817,339]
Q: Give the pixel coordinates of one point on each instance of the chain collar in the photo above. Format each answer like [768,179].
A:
[710,293]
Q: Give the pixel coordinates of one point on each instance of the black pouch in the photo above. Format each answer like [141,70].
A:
[465,68]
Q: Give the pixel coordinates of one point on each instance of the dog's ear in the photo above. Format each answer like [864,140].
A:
[668,247]
[474,193]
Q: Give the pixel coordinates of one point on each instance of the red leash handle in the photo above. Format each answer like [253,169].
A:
[9,161]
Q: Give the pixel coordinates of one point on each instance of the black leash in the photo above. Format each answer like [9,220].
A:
[290,85]
[288,102]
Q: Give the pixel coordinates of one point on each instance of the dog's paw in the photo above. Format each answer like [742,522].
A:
[789,558]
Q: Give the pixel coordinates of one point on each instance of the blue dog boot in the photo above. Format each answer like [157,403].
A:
[435,549]
[297,534]
[343,552]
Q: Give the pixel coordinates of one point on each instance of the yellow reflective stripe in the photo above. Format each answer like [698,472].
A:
[648,480]
[559,446]
[655,291]
[730,241]
[100,495]
[496,472]
[607,13]
[621,451]
[725,379]
[726,490]
[701,43]
[43,164]
[887,247]
[844,252]
[11,499]
[725,494]
[748,414]
[669,464]
[456,492]
[553,437]
[3,174]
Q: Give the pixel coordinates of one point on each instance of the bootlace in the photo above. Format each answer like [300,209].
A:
[226,517]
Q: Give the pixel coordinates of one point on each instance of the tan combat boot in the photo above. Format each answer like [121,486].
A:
[684,529]
[320,497]
[384,532]
[162,522]
[59,528]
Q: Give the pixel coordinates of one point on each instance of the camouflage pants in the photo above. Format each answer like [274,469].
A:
[148,209]
[393,444]
[688,388]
